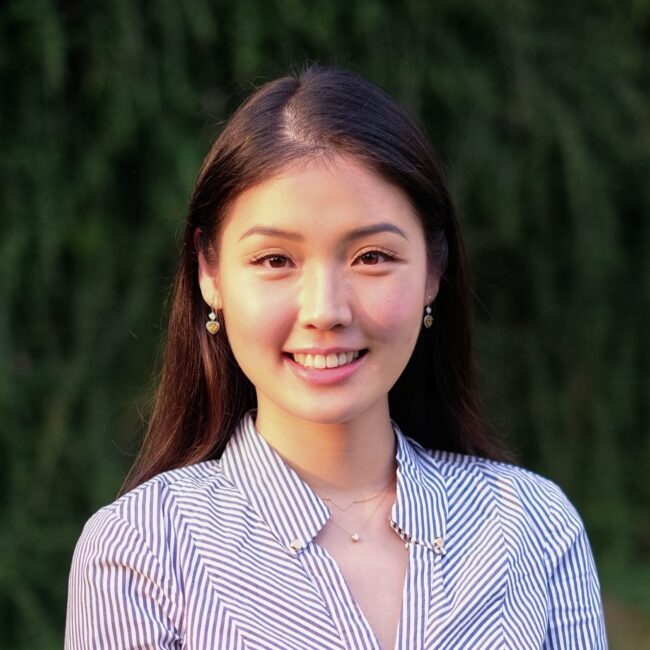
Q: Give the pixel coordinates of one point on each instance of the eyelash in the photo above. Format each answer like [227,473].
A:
[258,261]
[373,251]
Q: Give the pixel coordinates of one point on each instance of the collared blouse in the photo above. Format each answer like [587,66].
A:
[221,554]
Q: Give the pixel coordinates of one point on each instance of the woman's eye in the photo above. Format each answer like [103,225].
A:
[277,261]
[272,261]
[373,257]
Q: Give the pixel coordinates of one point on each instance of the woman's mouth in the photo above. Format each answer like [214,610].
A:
[322,361]
[325,369]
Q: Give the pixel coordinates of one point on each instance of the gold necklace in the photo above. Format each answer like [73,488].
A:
[370,498]
[355,536]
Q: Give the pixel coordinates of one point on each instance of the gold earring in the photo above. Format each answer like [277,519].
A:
[428,318]
[213,325]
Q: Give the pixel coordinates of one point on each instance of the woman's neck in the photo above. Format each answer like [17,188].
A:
[350,458]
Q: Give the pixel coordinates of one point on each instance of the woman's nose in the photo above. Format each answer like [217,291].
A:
[324,299]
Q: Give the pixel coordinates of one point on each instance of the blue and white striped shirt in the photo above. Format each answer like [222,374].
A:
[221,555]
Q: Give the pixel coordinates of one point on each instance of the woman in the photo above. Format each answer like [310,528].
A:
[277,501]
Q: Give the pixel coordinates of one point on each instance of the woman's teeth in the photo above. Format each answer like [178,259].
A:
[321,361]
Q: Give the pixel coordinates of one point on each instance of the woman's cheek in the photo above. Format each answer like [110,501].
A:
[396,314]
[257,317]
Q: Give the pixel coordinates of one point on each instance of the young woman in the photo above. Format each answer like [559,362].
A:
[315,474]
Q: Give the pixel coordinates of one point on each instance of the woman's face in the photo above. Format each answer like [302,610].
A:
[321,276]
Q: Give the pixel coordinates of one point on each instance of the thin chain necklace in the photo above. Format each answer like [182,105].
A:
[365,500]
[355,536]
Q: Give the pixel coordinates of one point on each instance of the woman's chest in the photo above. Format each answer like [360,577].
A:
[374,571]
[247,590]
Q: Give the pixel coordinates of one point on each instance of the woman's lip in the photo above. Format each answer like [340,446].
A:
[325,376]
[324,351]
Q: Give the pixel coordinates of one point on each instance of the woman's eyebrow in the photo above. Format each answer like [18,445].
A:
[373,229]
[356,233]
[271,231]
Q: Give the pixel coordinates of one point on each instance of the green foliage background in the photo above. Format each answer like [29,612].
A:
[541,112]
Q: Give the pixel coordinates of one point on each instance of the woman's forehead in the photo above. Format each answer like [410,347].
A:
[320,195]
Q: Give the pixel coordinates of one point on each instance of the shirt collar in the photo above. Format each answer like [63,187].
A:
[291,509]
[296,514]
[420,511]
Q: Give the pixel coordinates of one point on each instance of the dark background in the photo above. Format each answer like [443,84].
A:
[541,112]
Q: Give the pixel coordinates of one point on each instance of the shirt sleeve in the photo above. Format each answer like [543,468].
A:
[119,595]
[575,613]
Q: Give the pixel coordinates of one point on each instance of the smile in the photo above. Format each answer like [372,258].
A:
[322,361]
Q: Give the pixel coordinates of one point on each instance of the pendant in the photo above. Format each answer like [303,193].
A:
[213,324]
[355,538]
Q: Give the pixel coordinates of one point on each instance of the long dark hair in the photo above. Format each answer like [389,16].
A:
[202,392]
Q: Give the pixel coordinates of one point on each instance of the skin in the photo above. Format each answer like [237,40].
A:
[318,287]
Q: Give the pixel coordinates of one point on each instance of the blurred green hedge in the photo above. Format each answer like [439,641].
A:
[540,111]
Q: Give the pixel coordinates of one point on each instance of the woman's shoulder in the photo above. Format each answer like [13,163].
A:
[150,511]
[517,493]
[196,478]
[129,559]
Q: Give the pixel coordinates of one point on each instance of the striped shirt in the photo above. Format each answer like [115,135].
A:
[221,554]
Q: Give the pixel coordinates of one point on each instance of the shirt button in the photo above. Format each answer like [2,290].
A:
[438,544]
[295,545]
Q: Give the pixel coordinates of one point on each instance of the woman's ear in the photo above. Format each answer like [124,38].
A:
[208,273]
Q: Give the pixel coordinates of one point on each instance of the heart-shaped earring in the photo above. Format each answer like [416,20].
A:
[213,325]
[428,319]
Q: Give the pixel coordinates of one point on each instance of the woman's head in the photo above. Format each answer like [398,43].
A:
[324,123]
[325,259]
